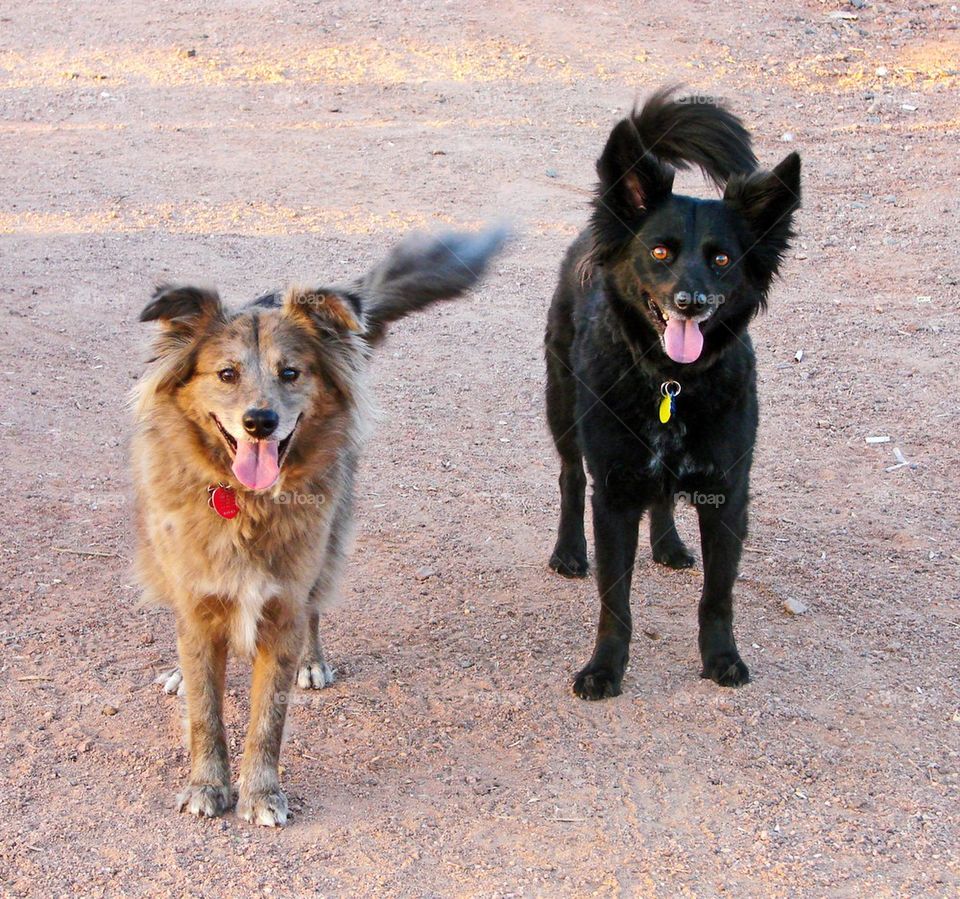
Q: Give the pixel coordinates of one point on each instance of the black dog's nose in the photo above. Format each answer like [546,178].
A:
[685,300]
[260,422]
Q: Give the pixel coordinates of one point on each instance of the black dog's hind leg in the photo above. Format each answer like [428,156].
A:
[616,530]
[668,549]
[569,556]
[722,530]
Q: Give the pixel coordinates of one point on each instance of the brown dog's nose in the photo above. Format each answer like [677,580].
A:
[260,422]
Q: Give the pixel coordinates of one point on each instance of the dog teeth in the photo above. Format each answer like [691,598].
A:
[665,314]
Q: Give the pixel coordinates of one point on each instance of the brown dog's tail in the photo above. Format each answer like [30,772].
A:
[423,270]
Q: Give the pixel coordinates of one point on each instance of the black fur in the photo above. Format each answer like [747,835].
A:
[606,362]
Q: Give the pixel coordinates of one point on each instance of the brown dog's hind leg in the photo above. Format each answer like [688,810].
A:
[314,673]
[279,647]
[203,660]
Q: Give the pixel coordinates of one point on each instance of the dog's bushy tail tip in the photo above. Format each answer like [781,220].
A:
[424,269]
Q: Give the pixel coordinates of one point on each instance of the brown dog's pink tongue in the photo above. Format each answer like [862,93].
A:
[683,340]
[255,464]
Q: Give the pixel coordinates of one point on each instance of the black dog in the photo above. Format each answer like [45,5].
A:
[650,370]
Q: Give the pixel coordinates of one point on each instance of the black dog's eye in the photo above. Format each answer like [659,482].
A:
[228,375]
[721,260]
[661,253]
[287,375]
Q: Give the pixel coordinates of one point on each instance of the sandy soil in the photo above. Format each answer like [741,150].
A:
[269,142]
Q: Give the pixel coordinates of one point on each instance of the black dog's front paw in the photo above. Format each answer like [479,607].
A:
[673,555]
[569,563]
[598,681]
[727,669]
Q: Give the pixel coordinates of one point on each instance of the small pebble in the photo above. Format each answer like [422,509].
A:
[794,607]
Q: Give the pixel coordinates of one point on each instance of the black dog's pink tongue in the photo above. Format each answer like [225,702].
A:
[683,340]
[255,463]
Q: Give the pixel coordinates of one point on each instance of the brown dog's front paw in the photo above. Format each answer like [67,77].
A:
[204,800]
[314,674]
[267,809]
[172,682]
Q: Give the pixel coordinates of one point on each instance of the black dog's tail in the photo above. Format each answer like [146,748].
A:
[421,271]
[694,131]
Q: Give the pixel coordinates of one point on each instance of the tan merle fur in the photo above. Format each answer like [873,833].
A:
[255,584]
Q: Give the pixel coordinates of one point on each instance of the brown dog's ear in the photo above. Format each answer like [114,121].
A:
[182,307]
[184,313]
[330,308]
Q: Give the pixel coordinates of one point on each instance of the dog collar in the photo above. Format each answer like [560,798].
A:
[223,500]
[669,391]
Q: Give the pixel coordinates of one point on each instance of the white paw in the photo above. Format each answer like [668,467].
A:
[314,675]
[204,800]
[172,682]
[265,809]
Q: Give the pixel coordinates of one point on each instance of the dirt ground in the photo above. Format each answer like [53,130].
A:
[267,142]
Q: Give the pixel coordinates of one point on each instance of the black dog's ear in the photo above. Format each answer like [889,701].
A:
[182,307]
[632,181]
[767,201]
[631,178]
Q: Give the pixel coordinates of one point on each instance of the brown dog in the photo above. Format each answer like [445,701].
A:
[248,429]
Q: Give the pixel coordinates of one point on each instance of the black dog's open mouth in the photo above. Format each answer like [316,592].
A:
[681,335]
[282,447]
[657,316]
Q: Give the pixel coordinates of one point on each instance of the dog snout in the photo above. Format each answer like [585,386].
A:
[260,422]
[690,301]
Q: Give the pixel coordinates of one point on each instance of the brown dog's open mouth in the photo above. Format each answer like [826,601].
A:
[256,463]
[285,443]
[227,436]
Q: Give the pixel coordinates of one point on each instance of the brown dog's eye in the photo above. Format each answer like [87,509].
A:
[660,253]
[287,375]
[228,375]
[722,260]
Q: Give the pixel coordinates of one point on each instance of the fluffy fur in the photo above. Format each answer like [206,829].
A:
[255,583]
[653,265]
